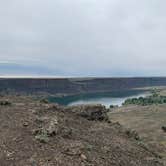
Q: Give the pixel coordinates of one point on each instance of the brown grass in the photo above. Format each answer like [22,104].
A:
[147,121]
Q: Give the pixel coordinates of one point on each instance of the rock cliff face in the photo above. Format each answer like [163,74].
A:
[73,85]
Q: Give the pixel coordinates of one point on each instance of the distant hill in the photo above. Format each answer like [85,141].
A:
[76,85]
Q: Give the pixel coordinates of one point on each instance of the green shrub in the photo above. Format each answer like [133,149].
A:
[43,138]
[5,103]
[149,100]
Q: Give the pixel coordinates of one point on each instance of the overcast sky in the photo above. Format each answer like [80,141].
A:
[83,37]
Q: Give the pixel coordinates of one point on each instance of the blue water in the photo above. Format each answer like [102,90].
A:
[107,98]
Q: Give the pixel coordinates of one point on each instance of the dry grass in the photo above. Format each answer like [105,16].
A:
[147,121]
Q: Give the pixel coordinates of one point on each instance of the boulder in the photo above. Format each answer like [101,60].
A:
[91,112]
[163,128]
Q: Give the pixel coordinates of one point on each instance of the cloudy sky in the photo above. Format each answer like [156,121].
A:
[83,37]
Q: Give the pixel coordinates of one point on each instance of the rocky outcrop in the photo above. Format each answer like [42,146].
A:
[163,128]
[90,112]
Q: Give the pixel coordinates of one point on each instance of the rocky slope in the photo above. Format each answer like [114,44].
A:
[35,133]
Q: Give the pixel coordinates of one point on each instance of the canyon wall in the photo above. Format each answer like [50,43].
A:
[76,85]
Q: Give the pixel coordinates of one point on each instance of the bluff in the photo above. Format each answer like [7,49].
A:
[76,85]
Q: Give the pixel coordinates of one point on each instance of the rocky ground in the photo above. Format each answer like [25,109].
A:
[36,133]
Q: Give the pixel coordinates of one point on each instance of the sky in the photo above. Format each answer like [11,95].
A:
[112,38]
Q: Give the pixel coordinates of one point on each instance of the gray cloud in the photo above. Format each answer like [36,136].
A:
[85,37]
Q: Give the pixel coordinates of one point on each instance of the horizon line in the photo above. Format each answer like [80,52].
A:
[57,77]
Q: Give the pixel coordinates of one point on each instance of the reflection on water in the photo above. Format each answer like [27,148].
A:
[107,99]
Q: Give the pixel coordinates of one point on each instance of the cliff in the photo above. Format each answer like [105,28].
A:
[73,85]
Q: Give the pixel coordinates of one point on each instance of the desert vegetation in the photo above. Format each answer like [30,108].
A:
[154,98]
[5,103]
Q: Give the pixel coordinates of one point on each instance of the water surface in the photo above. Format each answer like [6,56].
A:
[106,98]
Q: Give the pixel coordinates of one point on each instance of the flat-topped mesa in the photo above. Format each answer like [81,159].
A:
[75,85]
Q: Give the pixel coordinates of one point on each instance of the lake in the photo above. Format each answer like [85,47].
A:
[106,98]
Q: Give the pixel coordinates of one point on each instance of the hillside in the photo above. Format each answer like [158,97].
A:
[36,133]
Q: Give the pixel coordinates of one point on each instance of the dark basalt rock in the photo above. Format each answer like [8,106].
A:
[91,112]
[75,85]
[163,128]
